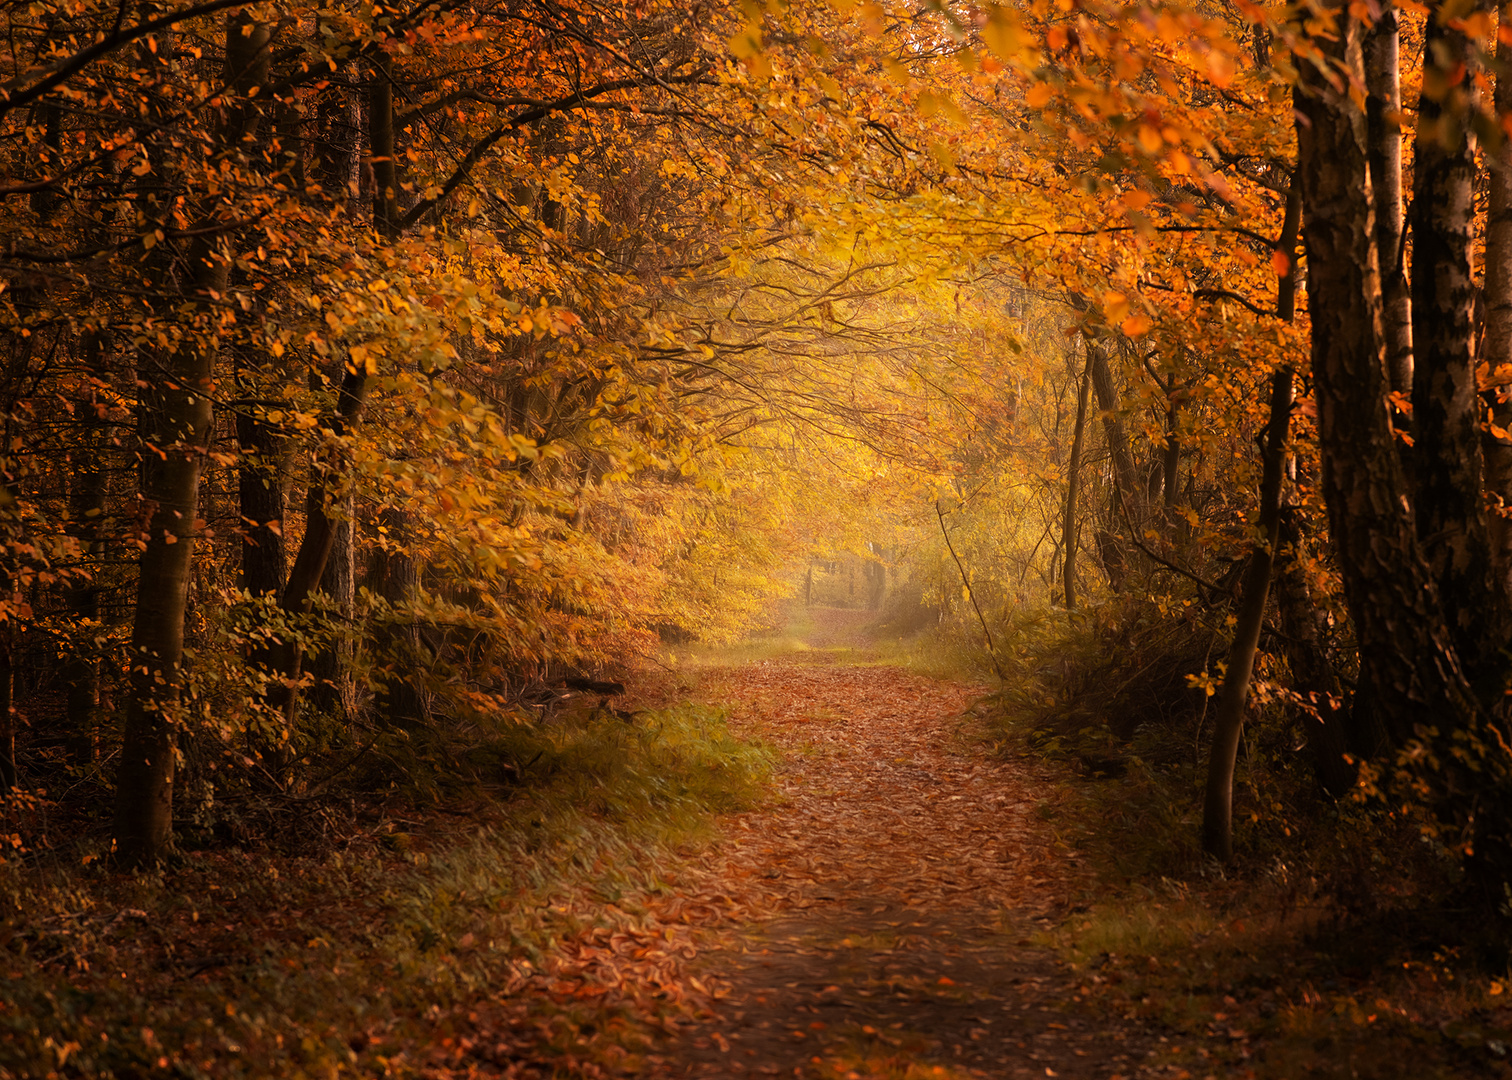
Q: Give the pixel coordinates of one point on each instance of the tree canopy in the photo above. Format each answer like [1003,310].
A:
[369,369]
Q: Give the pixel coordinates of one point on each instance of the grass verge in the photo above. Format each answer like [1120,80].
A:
[533,934]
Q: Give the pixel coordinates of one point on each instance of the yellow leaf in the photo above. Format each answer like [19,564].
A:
[1039,95]
[746,44]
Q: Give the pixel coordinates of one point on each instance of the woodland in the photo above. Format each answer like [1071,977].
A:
[477,475]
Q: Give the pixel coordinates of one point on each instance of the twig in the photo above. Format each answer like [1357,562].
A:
[1134,536]
[970,592]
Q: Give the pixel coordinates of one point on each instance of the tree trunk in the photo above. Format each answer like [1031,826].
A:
[329,667]
[27,299]
[1498,340]
[176,426]
[320,532]
[1073,485]
[1170,460]
[1448,499]
[8,773]
[1405,646]
[175,429]
[385,166]
[1228,722]
[1383,107]
[400,699]
[1125,475]
[86,509]
[260,483]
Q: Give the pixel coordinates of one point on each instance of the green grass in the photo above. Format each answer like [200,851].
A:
[379,958]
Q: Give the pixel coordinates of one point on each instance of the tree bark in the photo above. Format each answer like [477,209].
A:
[400,698]
[176,425]
[1497,354]
[1233,696]
[1405,646]
[1228,722]
[329,667]
[320,532]
[86,510]
[1125,475]
[1383,109]
[1073,485]
[176,429]
[1448,498]
[385,166]
[260,488]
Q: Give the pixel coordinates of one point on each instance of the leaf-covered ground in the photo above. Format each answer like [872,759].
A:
[896,903]
[895,884]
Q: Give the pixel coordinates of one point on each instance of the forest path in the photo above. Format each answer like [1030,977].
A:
[894,882]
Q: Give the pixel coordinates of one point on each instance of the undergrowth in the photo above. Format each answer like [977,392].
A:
[1320,951]
[395,951]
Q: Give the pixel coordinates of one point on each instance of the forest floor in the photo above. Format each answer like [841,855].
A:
[886,893]
[901,876]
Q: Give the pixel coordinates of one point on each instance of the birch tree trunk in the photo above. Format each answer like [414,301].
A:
[1383,108]
[1498,340]
[1448,498]
[1405,646]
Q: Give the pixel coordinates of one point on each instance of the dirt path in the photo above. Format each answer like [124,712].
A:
[899,878]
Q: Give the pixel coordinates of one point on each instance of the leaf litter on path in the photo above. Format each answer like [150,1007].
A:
[873,920]
[891,889]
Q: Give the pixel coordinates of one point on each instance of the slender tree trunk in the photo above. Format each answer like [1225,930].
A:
[1497,355]
[1233,696]
[8,773]
[338,147]
[286,657]
[1228,722]
[260,484]
[1170,460]
[1125,475]
[320,531]
[329,667]
[86,509]
[385,166]
[1448,497]
[176,425]
[27,300]
[1405,647]
[401,700]
[1383,109]
[176,430]
[1073,485]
